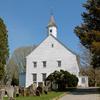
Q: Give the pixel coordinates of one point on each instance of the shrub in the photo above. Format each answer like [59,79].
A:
[73,80]
[63,79]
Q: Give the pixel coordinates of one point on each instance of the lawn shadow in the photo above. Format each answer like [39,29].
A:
[83,91]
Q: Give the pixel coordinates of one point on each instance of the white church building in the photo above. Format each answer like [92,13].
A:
[48,56]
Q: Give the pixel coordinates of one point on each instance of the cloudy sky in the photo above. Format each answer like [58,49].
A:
[26,21]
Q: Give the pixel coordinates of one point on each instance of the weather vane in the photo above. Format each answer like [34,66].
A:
[51,11]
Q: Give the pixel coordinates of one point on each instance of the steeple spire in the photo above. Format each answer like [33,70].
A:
[52,22]
[52,27]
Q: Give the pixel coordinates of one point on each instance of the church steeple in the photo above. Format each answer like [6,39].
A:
[52,27]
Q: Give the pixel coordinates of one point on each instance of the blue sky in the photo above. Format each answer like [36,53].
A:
[26,21]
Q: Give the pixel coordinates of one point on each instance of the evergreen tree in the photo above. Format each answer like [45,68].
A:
[89,31]
[4,51]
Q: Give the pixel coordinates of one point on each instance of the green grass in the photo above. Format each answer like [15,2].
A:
[49,96]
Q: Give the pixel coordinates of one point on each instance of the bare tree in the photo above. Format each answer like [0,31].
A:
[85,56]
[17,62]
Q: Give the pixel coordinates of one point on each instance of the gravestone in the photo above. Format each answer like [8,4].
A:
[37,92]
[46,89]
[40,87]
[2,92]
[16,91]
[1,96]
[10,92]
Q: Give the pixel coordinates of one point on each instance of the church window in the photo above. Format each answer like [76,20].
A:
[35,64]
[52,45]
[44,63]
[50,30]
[59,63]
[43,76]
[83,80]
[34,77]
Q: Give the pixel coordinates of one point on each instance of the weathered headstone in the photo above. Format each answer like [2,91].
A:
[1,95]
[46,89]
[10,92]
[40,89]
[49,85]
[37,92]
[16,91]
[34,88]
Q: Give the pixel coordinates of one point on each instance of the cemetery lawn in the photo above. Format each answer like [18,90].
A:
[48,96]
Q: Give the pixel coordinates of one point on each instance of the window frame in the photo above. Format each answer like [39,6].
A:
[44,63]
[44,76]
[34,64]
[34,78]
[50,30]
[59,63]
[83,80]
[52,45]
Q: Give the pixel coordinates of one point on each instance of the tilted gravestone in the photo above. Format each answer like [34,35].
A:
[2,93]
[1,97]
[16,91]
[10,92]
[46,89]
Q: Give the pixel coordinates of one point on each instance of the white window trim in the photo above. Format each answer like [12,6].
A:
[59,63]
[44,64]
[34,65]
[33,77]
[43,77]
